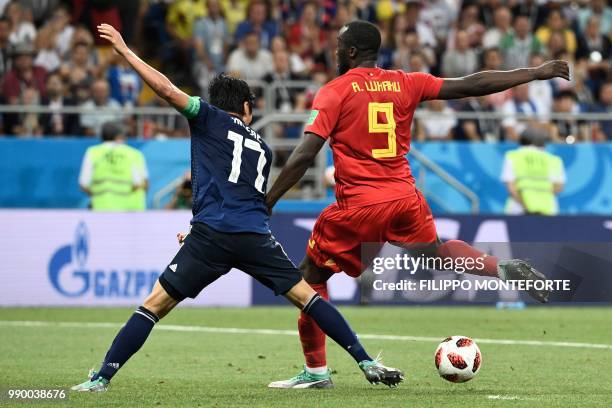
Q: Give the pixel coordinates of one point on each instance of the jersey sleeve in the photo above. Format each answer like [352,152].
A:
[325,112]
[422,86]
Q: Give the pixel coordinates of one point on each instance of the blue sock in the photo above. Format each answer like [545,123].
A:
[333,324]
[127,342]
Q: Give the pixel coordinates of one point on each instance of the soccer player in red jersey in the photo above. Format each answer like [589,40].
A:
[366,114]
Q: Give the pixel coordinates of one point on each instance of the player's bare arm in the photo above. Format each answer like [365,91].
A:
[489,82]
[155,79]
[299,161]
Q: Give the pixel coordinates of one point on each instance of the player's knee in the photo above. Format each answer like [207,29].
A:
[300,294]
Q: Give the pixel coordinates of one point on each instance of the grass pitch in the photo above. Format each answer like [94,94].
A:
[225,369]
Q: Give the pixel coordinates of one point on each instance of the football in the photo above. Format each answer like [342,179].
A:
[458,359]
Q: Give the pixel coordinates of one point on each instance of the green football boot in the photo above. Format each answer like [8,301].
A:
[98,385]
[305,380]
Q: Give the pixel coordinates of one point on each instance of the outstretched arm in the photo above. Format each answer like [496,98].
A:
[155,79]
[489,82]
[299,161]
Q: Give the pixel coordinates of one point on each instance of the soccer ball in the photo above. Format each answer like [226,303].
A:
[458,359]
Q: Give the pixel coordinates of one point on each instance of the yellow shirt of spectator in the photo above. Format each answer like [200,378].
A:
[182,14]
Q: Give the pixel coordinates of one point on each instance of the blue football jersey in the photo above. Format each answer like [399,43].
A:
[230,164]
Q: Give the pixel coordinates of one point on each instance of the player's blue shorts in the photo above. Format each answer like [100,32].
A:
[207,254]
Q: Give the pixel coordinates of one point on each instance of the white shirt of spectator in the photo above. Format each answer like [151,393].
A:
[438,126]
[250,68]
[139,173]
[541,93]
[510,110]
[99,115]
[508,176]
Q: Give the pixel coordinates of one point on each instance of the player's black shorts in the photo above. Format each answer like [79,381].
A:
[208,254]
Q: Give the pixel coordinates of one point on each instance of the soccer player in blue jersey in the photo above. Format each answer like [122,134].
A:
[230,164]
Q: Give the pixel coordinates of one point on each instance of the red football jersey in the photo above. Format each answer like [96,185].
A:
[367,113]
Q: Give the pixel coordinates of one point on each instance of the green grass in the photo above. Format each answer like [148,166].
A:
[178,369]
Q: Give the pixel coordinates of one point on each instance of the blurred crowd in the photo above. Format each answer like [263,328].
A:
[50,56]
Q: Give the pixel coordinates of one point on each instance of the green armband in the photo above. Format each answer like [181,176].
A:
[193,107]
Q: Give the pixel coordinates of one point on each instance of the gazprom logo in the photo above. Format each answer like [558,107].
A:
[72,276]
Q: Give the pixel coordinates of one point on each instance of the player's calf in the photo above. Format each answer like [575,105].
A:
[130,338]
[333,324]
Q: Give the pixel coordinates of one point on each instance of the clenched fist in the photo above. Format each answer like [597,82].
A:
[553,69]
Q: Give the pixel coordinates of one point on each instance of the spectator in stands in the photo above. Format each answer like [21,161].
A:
[594,50]
[583,91]
[113,174]
[59,31]
[518,45]
[364,10]
[557,45]
[502,18]
[5,45]
[568,129]
[23,74]
[58,123]
[440,15]
[306,38]
[82,66]
[287,99]
[481,128]
[249,60]
[101,108]
[541,92]
[532,176]
[285,96]
[418,63]
[297,65]
[183,197]
[521,104]
[439,124]
[471,25]
[47,56]
[28,123]
[181,17]
[258,22]
[411,20]
[603,128]
[492,60]
[556,23]
[534,10]
[235,12]
[409,45]
[41,10]
[460,61]
[596,8]
[23,30]
[210,37]
[125,83]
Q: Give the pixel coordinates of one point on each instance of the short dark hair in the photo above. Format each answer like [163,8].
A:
[364,36]
[229,94]
[111,130]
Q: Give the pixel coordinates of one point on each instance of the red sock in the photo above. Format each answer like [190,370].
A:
[458,249]
[311,336]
